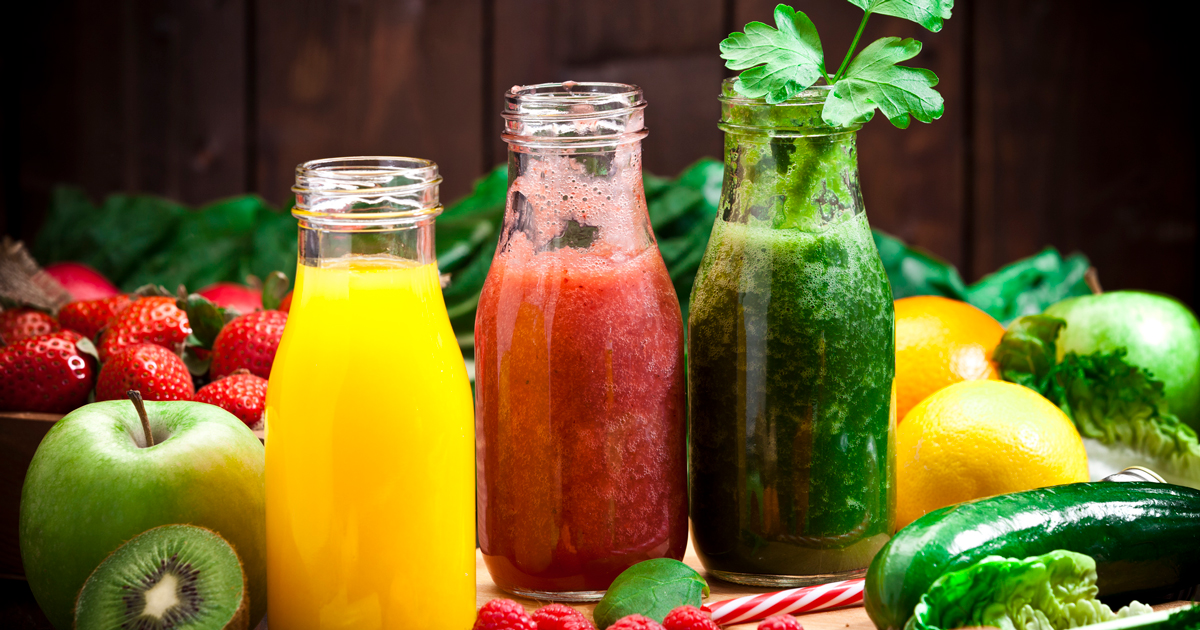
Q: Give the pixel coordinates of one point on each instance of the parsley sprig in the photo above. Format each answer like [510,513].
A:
[779,63]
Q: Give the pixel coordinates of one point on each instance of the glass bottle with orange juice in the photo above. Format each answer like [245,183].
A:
[370,446]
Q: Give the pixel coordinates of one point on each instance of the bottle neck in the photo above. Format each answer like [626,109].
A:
[321,244]
[780,179]
[576,197]
[370,207]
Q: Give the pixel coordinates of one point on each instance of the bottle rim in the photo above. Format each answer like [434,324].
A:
[798,116]
[575,114]
[363,190]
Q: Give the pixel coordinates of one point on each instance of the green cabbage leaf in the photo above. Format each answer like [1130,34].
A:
[1119,409]
[1053,591]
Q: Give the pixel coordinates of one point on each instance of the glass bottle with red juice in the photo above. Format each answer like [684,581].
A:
[579,390]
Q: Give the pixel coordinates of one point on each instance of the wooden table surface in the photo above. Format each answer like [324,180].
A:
[853,618]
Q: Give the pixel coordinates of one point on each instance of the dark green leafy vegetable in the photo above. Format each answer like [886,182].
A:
[914,271]
[779,64]
[651,588]
[1029,285]
[1118,408]
[143,239]
[1053,591]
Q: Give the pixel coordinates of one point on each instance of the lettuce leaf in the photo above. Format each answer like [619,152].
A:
[1119,409]
[1052,591]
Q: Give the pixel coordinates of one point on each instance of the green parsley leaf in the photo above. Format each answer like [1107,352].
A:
[788,60]
[927,13]
[873,80]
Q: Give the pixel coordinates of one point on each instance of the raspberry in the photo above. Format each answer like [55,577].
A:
[636,622]
[689,618]
[560,617]
[780,622]
[503,614]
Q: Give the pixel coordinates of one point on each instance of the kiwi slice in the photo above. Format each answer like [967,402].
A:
[173,576]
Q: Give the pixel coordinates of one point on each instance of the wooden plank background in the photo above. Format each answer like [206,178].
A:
[1052,134]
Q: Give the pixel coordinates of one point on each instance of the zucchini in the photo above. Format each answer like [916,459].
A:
[1142,535]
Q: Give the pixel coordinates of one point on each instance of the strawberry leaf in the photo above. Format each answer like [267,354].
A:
[927,13]
[85,346]
[273,290]
[197,362]
[153,290]
[782,63]
[873,80]
[205,318]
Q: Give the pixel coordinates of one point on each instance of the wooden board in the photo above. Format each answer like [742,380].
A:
[854,618]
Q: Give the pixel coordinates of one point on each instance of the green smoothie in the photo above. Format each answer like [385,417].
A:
[791,357]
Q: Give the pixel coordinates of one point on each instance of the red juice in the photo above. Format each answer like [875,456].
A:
[580,418]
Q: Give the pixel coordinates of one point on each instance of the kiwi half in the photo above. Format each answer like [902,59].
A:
[170,577]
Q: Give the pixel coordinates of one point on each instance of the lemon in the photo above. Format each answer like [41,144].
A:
[976,439]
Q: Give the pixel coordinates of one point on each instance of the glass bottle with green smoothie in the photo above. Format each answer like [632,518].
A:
[791,356]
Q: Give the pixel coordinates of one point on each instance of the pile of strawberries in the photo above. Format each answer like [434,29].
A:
[506,614]
[151,341]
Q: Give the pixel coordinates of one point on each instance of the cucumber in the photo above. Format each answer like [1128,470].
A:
[1142,535]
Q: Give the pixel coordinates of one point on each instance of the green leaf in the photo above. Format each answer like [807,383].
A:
[873,80]
[274,289]
[651,588]
[205,318]
[114,238]
[1123,416]
[1029,285]
[1028,351]
[927,13]
[1048,592]
[914,271]
[782,62]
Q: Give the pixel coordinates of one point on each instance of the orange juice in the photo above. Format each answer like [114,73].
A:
[370,455]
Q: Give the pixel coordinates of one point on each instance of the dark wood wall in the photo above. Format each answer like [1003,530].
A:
[1067,122]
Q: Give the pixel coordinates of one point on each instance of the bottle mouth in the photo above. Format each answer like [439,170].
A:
[801,113]
[573,114]
[366,190]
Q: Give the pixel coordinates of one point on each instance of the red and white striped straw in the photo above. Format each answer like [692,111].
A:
[789,602]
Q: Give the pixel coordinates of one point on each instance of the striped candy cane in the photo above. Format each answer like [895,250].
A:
[796,600]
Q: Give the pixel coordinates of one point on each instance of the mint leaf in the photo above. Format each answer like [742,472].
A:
[874,80]
[927,13]
[652,588]
[782,62]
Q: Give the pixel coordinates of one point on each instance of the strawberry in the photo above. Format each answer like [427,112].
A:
[248,342]
[151,369]
[87,317]
[154,320]
[47,373]
[241,394]
[24,323]
[286,304]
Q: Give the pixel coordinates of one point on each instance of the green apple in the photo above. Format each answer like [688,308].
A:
[1159,333]
[94,484]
